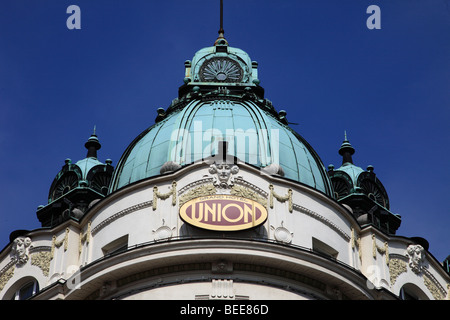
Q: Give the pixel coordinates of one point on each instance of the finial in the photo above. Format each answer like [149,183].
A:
[346,150]
[92,145]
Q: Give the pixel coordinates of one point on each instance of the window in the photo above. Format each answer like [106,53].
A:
[116,246]
[406,295]
[26,291]
[324,249]
[410,291]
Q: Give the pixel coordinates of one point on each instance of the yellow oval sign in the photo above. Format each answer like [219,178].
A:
[223,213]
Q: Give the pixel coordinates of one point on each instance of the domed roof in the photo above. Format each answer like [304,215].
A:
[221,100]
[192,134]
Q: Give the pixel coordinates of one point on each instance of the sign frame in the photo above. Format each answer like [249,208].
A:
[213,213]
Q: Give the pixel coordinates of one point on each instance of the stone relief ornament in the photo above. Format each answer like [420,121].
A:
[163,232]
[248,194]
[163,196]
[416,255]
[169,166]
[19,251]
[274,169]
[396,268]
[223,174]
[282,234]
[42,260]
[201,191]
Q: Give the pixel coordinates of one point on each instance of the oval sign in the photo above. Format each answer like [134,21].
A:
[223,213]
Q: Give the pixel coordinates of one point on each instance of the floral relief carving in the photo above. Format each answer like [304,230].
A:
[42,260]
[382,250]
[396,268]
[248,194]
[6,275]
[434,290]
[281,199]
[57,244]
[163,196]
[201,191]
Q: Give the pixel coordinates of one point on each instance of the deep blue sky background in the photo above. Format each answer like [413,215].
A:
[389,88]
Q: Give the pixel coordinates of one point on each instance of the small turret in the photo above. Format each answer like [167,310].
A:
[77,186]
[362,191]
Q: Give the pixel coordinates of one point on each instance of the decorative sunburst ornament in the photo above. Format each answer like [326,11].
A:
[221,69]
[68,182]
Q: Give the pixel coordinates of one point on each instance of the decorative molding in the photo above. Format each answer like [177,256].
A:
[322,219]
[435,291]
[222,289]
[356,243]
[248,185]
[163,196]
[399,265]
[201,191]
[59,243]
[120,214]
[382,250]
[281,199]
[222,267]
[396,268]
[248,194]
[195,184]
[42,260]
[6,273]
[84,238]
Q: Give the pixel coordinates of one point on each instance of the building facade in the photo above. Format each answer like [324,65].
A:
[219,199]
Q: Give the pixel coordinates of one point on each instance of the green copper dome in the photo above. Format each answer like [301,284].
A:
[221,100]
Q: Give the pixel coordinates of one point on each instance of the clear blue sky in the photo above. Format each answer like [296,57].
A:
[389,88]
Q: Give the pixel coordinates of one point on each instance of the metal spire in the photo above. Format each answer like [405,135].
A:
[221,39]
[221,31]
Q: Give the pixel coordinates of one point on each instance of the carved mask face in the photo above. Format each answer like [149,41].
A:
[223,172]
[19,249]
[20,245]
[417,255]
